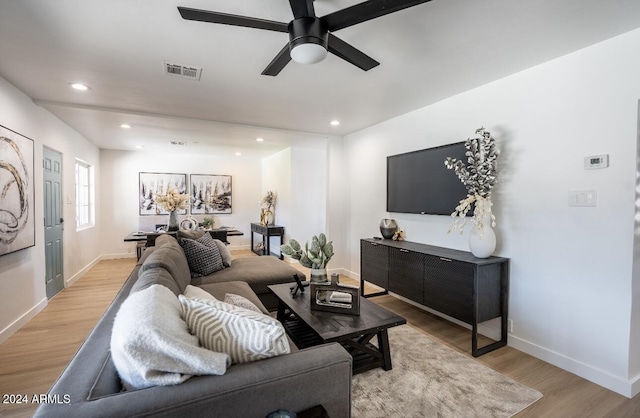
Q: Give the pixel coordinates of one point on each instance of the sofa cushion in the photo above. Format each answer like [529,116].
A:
[181,234]
[196,292]
[242,334]
[202,259]
[240,302]
[259,272]
[157,275]
[170,257]
[220,290]
[151,344]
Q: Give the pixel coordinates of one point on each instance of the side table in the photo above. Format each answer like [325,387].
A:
[267,231]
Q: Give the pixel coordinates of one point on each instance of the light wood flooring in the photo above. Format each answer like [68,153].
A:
[33,357]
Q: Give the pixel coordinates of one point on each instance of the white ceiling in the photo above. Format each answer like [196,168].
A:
[427,53]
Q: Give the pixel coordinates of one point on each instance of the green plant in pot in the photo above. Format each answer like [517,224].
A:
[314,257]
[207,223]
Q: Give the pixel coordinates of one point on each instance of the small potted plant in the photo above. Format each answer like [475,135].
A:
[207,223]
[314,257]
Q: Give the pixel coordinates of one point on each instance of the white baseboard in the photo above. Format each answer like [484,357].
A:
[20,322]
[70,281]
[635,386]
[625,387]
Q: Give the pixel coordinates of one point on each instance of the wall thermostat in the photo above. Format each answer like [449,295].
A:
[596,161]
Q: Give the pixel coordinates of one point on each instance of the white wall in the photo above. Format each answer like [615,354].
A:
[120,176]
[299,175]
[22,274]
[276,176]
[571,268]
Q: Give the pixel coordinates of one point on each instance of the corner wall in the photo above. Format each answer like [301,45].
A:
[22,274]
[571,267]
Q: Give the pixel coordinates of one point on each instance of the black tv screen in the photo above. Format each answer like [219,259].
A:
[418,181]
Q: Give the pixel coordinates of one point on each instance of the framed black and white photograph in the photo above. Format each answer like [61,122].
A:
[17,223]
[153,184]
[210,194]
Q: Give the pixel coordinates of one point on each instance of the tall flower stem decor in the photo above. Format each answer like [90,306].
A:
[173,201]
[479,177]
[267,211]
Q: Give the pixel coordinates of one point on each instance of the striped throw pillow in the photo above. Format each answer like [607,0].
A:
[242,334]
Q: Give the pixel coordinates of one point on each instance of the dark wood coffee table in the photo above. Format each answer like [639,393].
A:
[308,327]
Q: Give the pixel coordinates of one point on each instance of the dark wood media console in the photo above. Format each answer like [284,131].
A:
[455,283]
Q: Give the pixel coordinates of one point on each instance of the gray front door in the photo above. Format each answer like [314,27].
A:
[52,165]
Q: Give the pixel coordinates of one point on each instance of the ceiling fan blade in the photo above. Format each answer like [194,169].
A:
[366,11]
[228,19]
[350,54]
[302,8]
[278,63]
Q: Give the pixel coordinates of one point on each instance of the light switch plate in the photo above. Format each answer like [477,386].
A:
[583,198]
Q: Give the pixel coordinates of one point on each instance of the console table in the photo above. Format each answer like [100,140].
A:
[267,231]
[455,283]
[148,239]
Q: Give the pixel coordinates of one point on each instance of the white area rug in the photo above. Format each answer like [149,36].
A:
[429,379]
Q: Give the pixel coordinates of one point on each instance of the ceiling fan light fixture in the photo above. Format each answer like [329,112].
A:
[307,40]
[308,53]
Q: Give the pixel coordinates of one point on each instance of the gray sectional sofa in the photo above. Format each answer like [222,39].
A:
[296,381]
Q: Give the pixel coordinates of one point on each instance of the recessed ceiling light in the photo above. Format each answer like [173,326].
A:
[335,122]
[139,147]
[79,87]
[238,154]
[259,139]
[125,126]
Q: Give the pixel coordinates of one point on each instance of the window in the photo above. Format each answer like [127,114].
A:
[85,207]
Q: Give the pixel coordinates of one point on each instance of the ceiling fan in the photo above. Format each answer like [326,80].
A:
[310,37]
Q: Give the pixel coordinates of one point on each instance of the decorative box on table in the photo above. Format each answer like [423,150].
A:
[335,297]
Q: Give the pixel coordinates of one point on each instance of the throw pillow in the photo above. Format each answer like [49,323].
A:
[209,241]
[151,344]
[242,334]
[224,253]
[203,260]
[241,302]
[194,292]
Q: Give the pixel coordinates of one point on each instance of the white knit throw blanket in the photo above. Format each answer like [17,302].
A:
[151,344]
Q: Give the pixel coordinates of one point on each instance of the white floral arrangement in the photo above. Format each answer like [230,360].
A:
[479,178]
[172,200]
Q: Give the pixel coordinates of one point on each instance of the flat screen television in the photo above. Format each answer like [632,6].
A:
[418,181]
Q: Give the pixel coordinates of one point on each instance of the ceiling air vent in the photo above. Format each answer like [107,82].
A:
[184,71]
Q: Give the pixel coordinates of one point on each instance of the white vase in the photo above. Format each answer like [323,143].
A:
[173,221]
[482,239]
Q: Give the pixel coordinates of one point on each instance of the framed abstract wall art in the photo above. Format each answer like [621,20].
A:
[152,184]
[210,194]
[17,223]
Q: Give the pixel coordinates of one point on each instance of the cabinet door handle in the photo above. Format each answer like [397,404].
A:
[403,250]
[445,259]
[374,244]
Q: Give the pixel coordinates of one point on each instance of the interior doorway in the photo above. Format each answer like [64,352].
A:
[53,221]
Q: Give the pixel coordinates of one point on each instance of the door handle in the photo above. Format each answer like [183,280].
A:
[61,220]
